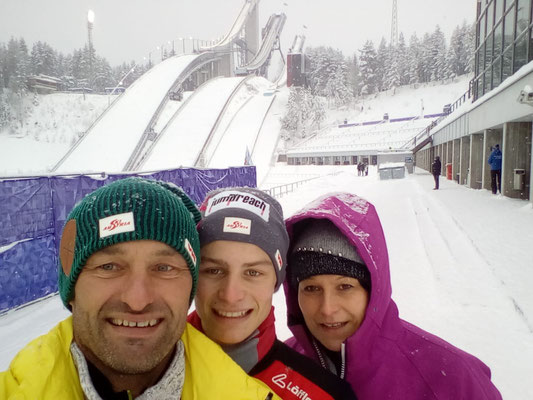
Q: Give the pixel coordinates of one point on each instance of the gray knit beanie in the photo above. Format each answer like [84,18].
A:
[122,211]
[248,215]
[319,248]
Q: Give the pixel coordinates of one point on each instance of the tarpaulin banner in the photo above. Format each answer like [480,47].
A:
[33,212]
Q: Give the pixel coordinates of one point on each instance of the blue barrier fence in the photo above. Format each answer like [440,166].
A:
[33,212]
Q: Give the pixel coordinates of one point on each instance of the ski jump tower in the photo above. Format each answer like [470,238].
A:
[241,43]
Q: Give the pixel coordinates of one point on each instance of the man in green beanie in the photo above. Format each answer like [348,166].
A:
[128,271]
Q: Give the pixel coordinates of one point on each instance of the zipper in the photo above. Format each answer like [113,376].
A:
[323,362]
[343,360]
[319,353]
[130,397]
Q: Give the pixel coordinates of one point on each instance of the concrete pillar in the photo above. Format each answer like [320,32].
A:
[492,137]
[226,65]
[516,153]
[443,158]
[456,163]
[465,160]
[476,160]
[251,34]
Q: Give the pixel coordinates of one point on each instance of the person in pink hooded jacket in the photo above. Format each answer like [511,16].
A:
[341,314]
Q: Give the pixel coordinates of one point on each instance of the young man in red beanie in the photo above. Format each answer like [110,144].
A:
[244,247]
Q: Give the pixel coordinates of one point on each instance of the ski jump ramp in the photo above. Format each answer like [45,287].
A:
[114,138]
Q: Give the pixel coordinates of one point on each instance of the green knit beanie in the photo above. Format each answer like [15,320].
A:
[126,210]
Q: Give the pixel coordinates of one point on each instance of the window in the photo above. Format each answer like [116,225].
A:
[498,4]
[497,72]
[522,16]
[520,53]
[507,63]
[508,34]
[530,56]
[479,87]
[488,51]
[490,15]
[481,53]
[488,83]
[482,27]
[498,40]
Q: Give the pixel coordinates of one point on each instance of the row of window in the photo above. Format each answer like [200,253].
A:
[331,160]
[504,41]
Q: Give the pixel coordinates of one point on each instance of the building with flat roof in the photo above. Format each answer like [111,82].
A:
[501,111]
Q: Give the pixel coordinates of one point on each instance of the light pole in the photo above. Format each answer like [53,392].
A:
[183,44]
[192,43]
[90,22]
[173,51]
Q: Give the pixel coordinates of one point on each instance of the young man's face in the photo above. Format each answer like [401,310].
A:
[235,289]
[130,306]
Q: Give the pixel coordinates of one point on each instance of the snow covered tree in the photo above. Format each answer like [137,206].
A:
[5,111]
[368,66]
[19,76]
[470,40]
[425,66]
[336,88]
[354,76]
[304,111]
[403,61]
[391,79]
[43,59]
[438,54]
[383,62]
[414,59]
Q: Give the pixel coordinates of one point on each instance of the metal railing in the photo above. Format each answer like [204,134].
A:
[279,191]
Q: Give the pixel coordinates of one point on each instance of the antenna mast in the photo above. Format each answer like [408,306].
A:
[394,25]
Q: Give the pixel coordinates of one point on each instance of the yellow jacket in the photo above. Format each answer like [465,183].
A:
[45,370]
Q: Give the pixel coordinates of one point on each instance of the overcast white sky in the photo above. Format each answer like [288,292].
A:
[126,30]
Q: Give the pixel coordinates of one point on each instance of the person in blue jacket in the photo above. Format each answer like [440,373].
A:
[495,162]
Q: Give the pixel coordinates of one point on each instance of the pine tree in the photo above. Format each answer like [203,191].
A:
[403,61]
[438,53]
[414,60]
[304,111]
[368,60]
[19,76]
[354,76]
[392,70]
[469,34]
[425,66]
[382,64]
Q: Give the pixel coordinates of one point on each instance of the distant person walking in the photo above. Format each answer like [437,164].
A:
[360,168]
[495,162]
[435,170]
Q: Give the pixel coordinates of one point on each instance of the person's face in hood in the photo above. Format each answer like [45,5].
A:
[333,307]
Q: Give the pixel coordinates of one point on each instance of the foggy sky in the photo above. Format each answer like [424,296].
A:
[126,30]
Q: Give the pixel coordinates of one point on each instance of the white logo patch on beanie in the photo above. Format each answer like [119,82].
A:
[190,250]
[279,260]
[116,224]
[237,225]
[234,199]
